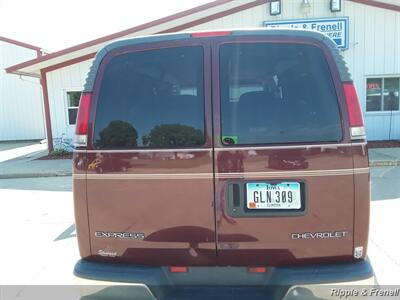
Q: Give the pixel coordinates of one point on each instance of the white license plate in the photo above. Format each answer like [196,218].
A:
[283,195]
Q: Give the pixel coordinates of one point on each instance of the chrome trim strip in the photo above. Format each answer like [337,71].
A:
[309,146]
[152,176]
[79,176]
[144,150]
[293,174]
[248,148]
[361,170]
[283,174]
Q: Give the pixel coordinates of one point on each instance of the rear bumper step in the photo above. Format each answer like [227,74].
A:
[223,276]
[154,283]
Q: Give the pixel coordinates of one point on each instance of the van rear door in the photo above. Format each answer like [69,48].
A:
[283,157]
[150,170]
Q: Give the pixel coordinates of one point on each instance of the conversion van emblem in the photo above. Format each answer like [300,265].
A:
[107,253]
[120,235]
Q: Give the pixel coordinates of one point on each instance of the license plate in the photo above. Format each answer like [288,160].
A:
[282,195]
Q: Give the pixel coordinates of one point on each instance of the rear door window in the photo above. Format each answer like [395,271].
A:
[152,99]
[277,93]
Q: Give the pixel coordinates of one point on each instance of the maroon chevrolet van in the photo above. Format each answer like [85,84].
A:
[221,158]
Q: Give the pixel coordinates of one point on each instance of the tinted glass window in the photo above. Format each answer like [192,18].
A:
[277,93]
[152,98]
[383,94]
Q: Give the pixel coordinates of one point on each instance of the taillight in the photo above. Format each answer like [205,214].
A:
[178,269]
[357,130]
[211,33]
[82,120]
[257,269]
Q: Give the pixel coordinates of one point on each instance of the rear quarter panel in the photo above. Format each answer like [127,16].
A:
[80,203]
[362,199]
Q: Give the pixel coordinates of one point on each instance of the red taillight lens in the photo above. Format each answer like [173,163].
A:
[353,106]
[257,269]
[211,33]
[82,120]
[177,269]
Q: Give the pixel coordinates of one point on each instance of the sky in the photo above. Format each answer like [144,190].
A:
[57,24]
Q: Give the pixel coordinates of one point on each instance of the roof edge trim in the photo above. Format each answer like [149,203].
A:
[18,43]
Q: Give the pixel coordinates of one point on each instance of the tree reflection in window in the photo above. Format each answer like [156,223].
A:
[118,134]
[173,135]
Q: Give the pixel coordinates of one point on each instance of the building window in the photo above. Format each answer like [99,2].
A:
[383,94]
[73,104]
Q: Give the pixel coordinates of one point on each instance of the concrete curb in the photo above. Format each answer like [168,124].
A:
[384,163]
[34,175]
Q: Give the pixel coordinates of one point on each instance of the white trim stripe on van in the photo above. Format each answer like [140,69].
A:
[250,175]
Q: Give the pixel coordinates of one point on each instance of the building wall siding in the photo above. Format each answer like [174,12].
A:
[21,106]
[70,78]
[374,50]
[374,47]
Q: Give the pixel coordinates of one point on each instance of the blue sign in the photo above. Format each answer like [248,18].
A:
[336,28]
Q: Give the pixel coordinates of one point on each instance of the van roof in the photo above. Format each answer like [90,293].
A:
[289,33]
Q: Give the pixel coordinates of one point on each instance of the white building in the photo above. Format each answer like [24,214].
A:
[368,31]
[21,105]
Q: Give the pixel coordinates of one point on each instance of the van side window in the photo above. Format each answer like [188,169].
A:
[277,93]
[152,99]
